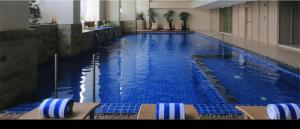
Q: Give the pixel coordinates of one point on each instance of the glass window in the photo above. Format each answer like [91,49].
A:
[226,20]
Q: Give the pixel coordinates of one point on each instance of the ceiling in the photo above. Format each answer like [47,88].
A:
[212,4]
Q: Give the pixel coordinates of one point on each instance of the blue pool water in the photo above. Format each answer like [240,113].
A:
[152,68]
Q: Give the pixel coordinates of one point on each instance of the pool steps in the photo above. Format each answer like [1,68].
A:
[212,78]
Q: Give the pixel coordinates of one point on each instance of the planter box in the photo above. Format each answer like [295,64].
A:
[140,24]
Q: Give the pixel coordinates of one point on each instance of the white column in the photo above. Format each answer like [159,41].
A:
[14,15]
[143,6]
[64,11]
[112,10]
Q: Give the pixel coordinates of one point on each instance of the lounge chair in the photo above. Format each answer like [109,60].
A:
[253,112]
[148,112]
[81,111]
[154,26]
[166,26]
[270,112]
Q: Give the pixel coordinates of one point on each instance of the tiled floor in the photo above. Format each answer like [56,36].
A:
[279,53]
[118,108]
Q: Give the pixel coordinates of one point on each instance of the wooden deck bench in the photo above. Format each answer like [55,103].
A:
[253,112]
[147,112]
[81,111]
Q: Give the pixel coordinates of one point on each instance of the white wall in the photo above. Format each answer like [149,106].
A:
[102,9]
[273,22]
[65,11]
[92,10]
[143,6]
[264,21]
[255,21]
[214,20]
[112,11]
[241,21]
[128,10]
[14,15]
[235,20]
[199,19]
[76,12]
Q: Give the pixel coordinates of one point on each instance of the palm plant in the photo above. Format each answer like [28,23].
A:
[140,16]
[170,17]
[34,11]
[184,17]
[140,23]
[152,15]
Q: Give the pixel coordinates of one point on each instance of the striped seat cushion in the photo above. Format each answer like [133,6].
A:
[288,111]
[170,111]
[56,108]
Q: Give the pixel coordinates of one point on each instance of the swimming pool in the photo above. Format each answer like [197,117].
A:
[172,67]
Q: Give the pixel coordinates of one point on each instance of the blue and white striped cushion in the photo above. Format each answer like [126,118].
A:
[56,108]
[288,111]
[170,111]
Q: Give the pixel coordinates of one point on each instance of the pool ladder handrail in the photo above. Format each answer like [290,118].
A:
[220,33]
[94,78]
[56,74]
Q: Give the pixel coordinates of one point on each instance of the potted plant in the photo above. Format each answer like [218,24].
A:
[34,12]
[140,21]
[170,17]
[184,17]
[152,15]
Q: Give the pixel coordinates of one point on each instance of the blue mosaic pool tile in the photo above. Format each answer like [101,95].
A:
[155,80]
[206,87]
[118,108]
[23,107]
[204,109]
[260,92]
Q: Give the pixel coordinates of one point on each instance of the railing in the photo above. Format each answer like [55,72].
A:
[94,79]
[55,75]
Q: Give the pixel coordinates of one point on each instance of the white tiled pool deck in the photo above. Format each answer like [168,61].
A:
[286,55]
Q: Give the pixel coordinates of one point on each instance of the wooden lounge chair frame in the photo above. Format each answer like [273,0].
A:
[166,26]
[253,112]
[154,26]
[147,112]
[81,111]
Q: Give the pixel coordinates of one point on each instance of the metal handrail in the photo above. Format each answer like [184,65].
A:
[219,34]
[55,74]
[94,79]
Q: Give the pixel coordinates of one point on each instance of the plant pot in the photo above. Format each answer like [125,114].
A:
[170,25]
[184,26]
[140,24]
[150,24]
[89,24]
